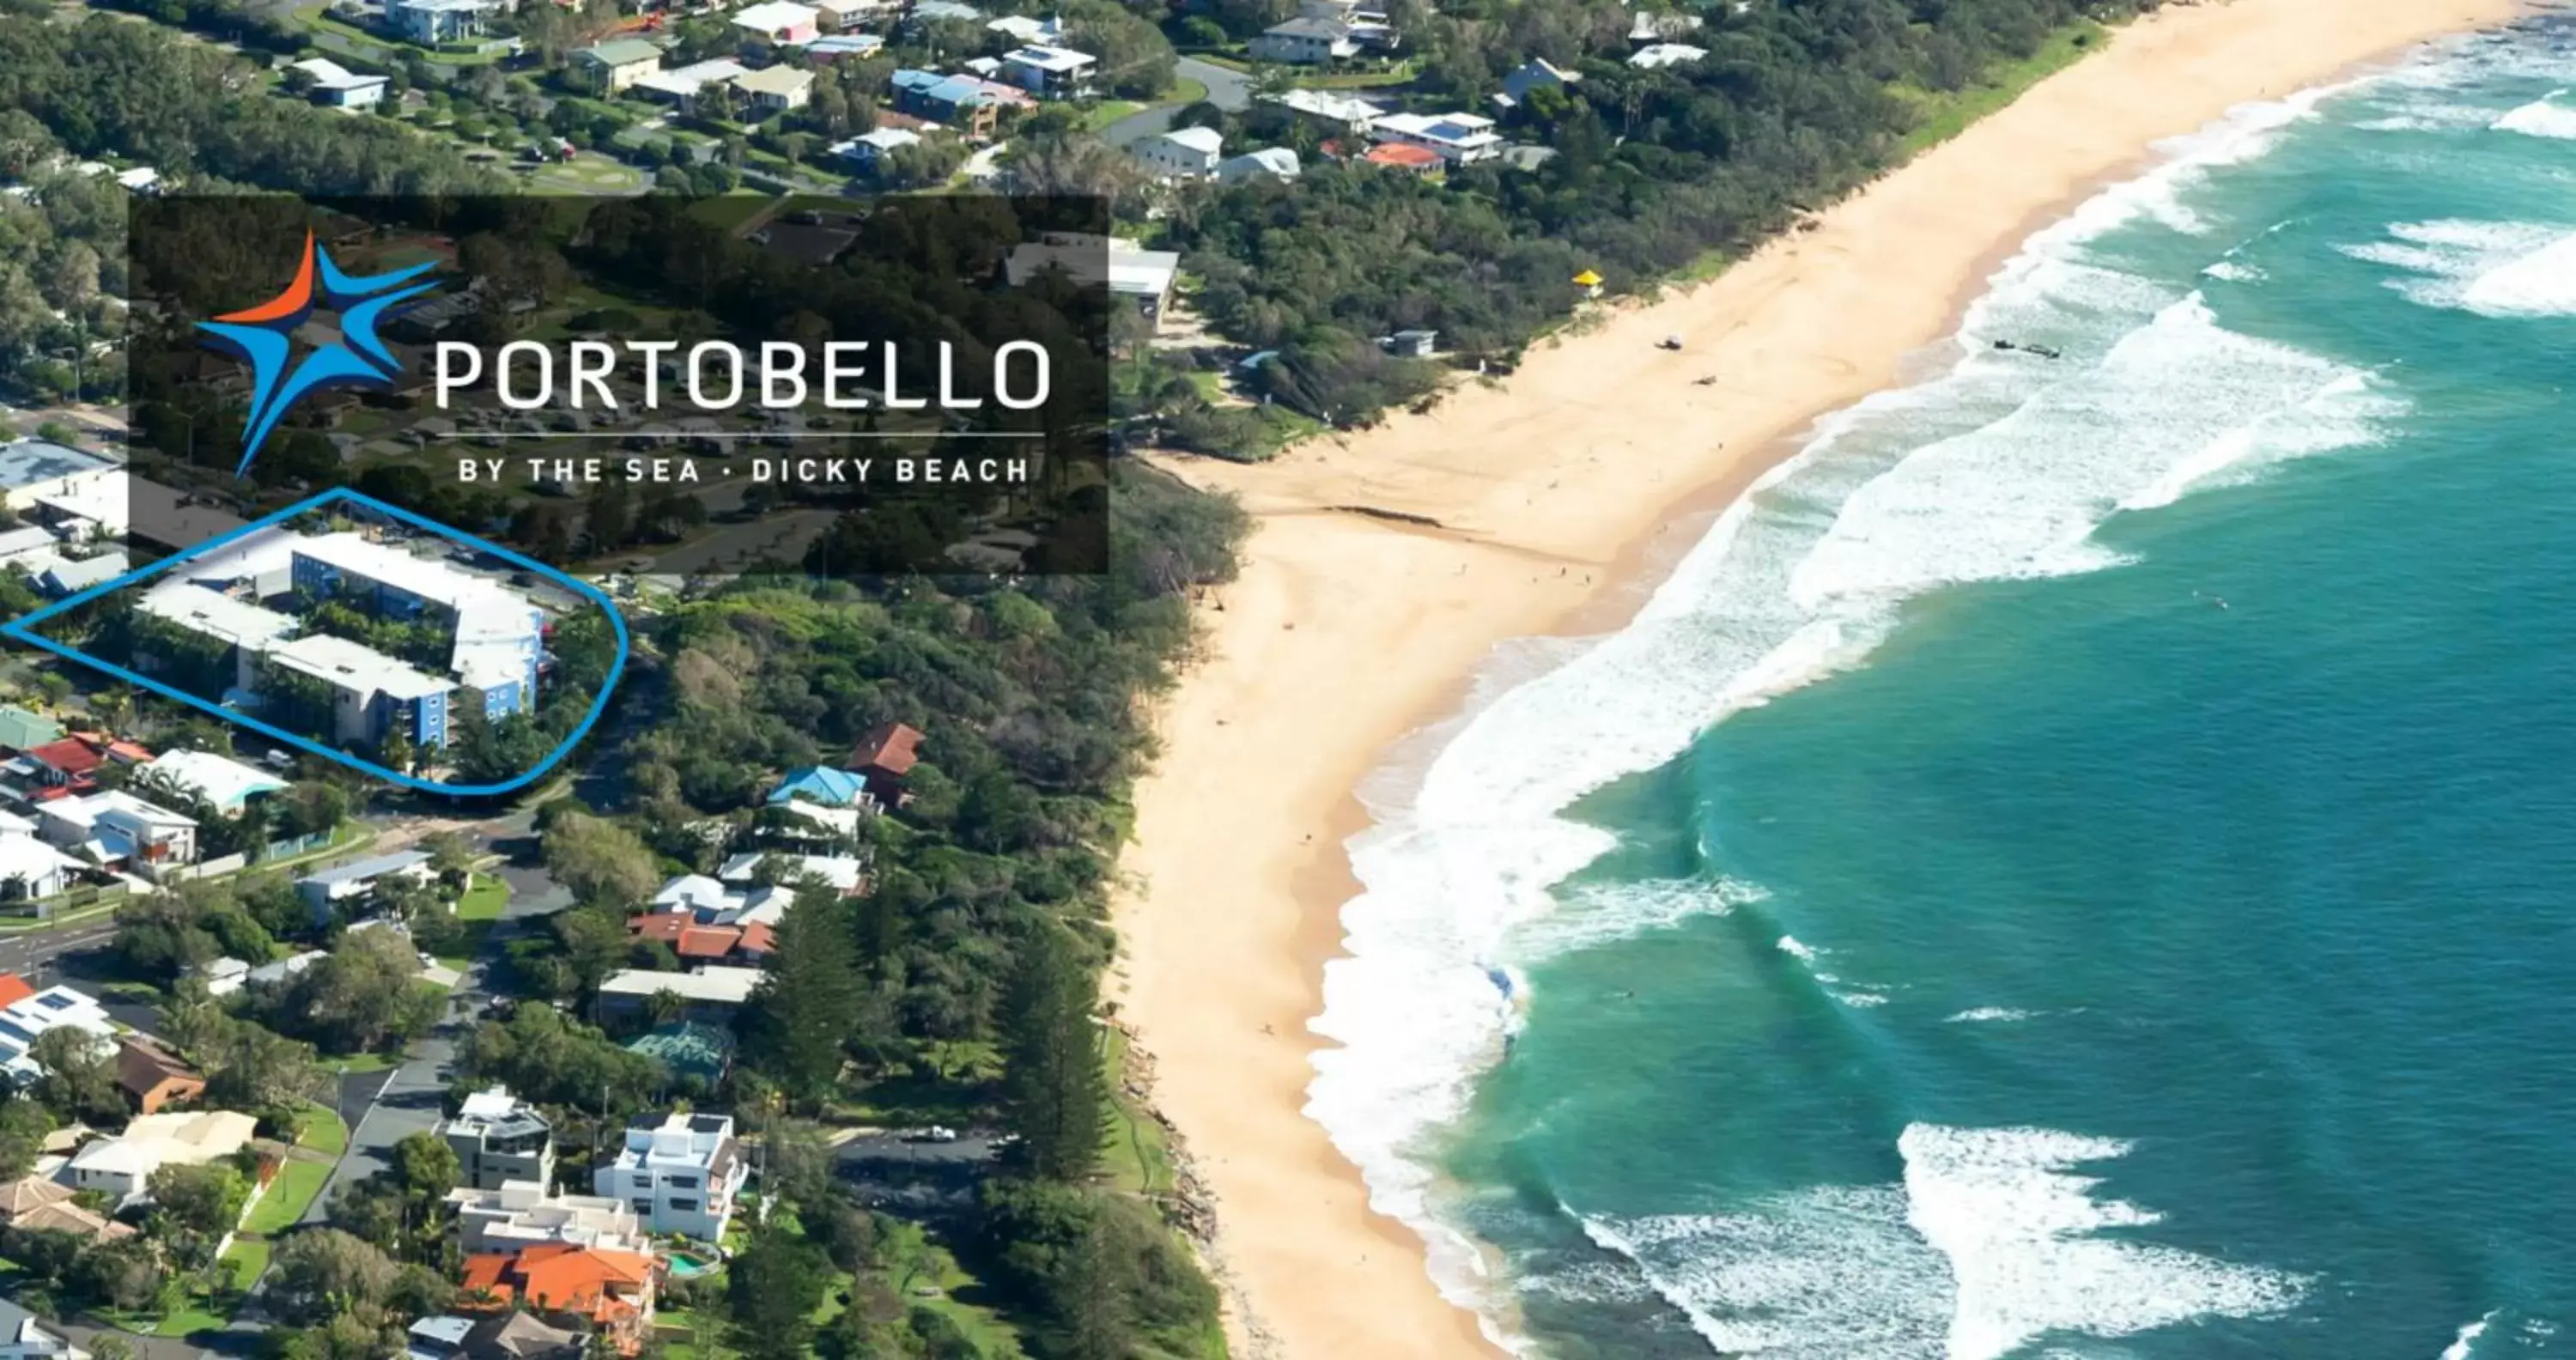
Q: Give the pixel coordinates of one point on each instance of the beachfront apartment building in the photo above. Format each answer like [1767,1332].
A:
[679,1172]
[497,638]
[370,695]
[499,1139]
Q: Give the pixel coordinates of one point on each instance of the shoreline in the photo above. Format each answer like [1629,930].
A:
[1349,631]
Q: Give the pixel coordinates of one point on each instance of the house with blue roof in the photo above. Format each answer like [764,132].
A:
[960,102]
[822,784]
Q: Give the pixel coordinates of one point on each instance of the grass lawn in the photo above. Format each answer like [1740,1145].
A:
[243,1261]
[1947,113]
[323,1130]
[287,1198]
[363,1062]
[484,898]
[189,1319]
[1137,1157]
[1108,111]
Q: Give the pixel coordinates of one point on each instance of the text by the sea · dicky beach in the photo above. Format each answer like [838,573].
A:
[904,471]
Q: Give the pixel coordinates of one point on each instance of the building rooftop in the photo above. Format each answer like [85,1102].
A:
[331,75]
[1207,141]
[495,1113]
[777,80]
[360,871]
[1052,60]
[714,985]
[25,462]
[217,615]
[356,667]
[771,15]
[622,52]
[221,780]
[690,79]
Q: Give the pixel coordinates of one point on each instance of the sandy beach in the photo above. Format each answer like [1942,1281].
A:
[1546,495]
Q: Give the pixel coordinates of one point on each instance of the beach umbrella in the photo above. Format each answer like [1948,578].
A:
[1589,282]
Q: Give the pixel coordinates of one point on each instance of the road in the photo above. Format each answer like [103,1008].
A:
[32,955]
[383,1109]
[1228,90]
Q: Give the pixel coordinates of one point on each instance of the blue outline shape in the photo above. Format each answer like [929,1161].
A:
[22,630]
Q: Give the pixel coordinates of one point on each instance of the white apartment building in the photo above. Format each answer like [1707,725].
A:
[679,1173]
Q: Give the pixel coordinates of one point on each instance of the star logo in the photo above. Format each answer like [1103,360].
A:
[262,337]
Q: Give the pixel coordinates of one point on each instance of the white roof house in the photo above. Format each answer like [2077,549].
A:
[1185,153]
[869,147]
[1345,110]
[332,78]
[724,904]
[21,1021]
[123,1165]
[1133,270]
[523,1214]
[1656,55]
[221,780]
[1020,28]
[840,871]
[30,868]
[29,538]
[713,985]
[112,825]
[687,82]
[1278,162]
[1458,137]
[771,18]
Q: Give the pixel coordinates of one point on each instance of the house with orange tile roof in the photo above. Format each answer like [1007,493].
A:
[601,1290]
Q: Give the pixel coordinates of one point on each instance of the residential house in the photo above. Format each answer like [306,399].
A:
[112,827]
[431,22]
[20,729]
[953,11]
[613,65]
[867,153]
[680,1172]
[802,823]
[225,783]
[437,1337]
[1412,344]
[780,23]
[834,46]
[841,872]
[1143,277]
[1305,42]
[1405,157]
[1050,72]
[31,869]
[1275,162]
[520,1336]
[824,785]
[845,15]
[1533,75]
[1022,29]
[498,1139]
[326,888]
[29,1193]
[712,901]
[22,1338]
[1459,138]
[683,85]
[777,89]
[153,1077]
[1182,153]
[608,1293]
[888,751]
[339,87]
[517,1215]
[711,995]
[1340,112]
[1654,56]
[122,1166]
[960,102]
[224,976]
[72,577]
[27,1014]
[60,1215]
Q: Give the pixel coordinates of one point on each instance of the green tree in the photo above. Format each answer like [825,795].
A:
[23,1126]
[603,863]
[323,1272]
[809,1003]
[771,1291]
[1055,1092]
[77,1076]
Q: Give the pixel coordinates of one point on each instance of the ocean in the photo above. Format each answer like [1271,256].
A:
[2082,861]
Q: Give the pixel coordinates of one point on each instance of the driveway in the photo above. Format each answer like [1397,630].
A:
[1228,90]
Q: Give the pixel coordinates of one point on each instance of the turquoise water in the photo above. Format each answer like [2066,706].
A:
[2091,864]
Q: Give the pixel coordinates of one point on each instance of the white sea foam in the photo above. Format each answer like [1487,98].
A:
[2496,269]
[1984,1014]
[2466,1344]
[2546,117]
[2000,468]
[1993,1241]
[1597,914]
[2231,271]
[2015,1222]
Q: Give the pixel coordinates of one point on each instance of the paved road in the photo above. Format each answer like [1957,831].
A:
[1228,90]
[412,1098]
[32,955]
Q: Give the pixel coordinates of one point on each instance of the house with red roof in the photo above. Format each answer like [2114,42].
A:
[594,1288]
[1404,156]
[885,755]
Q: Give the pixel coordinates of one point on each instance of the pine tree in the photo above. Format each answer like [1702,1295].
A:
[809,1004]
[1055,1094]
